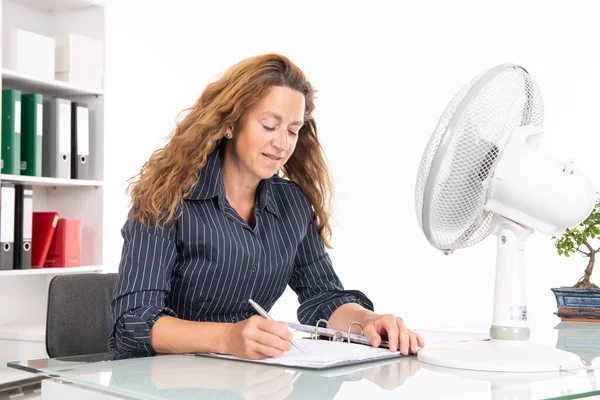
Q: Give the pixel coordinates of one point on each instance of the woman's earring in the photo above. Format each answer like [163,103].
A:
[228,135]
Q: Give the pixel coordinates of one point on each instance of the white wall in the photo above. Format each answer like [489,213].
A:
[384,73]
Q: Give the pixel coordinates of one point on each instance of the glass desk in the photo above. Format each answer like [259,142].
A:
[189,377]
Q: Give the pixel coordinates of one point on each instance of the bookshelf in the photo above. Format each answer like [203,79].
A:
[23,293]
[52,271]
[12,79]
[44,181]
[61,5]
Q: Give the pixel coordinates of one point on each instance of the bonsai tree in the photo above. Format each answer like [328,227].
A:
[584,239]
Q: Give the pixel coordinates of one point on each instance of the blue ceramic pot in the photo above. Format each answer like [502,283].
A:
[577,298]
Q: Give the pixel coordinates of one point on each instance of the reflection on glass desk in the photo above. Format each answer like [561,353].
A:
[191,377]
[582,339]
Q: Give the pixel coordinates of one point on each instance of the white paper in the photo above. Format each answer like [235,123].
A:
[323,354]
[437,337]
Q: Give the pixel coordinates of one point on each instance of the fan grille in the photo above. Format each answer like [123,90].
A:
[457,218]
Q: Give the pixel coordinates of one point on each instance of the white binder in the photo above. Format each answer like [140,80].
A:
[80,141]
[7,226]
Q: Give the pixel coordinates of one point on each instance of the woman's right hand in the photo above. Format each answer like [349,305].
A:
[256,338]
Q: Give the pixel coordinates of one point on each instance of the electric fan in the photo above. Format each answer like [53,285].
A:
[481,173]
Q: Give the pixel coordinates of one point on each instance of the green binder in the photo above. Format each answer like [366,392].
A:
[31,134]
[11,132]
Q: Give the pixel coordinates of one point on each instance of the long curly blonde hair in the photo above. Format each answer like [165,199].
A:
[171,173]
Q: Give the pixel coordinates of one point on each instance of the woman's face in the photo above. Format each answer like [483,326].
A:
[266,135]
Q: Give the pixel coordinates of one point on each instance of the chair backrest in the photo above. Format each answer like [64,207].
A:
[78,320]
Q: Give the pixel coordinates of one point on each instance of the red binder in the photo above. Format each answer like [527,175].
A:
[65,248]
[44,224]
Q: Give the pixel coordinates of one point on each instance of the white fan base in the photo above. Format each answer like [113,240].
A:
[499,356]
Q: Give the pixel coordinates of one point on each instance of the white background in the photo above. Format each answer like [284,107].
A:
[384,72]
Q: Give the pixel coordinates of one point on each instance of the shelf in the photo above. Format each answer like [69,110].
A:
[50,271]
[24,292]
[15,80]
[44,181]
[60,5]
[14,376]
[27,332]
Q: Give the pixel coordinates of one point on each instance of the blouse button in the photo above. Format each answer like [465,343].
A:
[244,301]
[253,269]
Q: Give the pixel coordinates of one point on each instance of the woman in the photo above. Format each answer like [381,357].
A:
[212,225]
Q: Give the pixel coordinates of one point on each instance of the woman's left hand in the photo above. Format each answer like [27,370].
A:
[391,328]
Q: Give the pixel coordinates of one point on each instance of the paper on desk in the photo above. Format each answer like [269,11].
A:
[437,337]
[319,354]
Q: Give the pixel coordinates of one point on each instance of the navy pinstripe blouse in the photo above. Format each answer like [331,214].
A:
[206,264]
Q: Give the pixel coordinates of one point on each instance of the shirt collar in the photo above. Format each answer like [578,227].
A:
[210,185]
[266,197]
[210,181]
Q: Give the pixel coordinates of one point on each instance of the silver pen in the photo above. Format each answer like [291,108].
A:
[263,313]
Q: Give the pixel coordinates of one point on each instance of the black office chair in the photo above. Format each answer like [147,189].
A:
[78,320]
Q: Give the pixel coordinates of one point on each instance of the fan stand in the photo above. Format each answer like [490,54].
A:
[509,349]
[504,385]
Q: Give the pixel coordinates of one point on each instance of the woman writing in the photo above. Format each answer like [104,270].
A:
[213,224]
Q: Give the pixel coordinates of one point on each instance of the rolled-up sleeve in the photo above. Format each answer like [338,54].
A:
[320,291]
[147,261]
